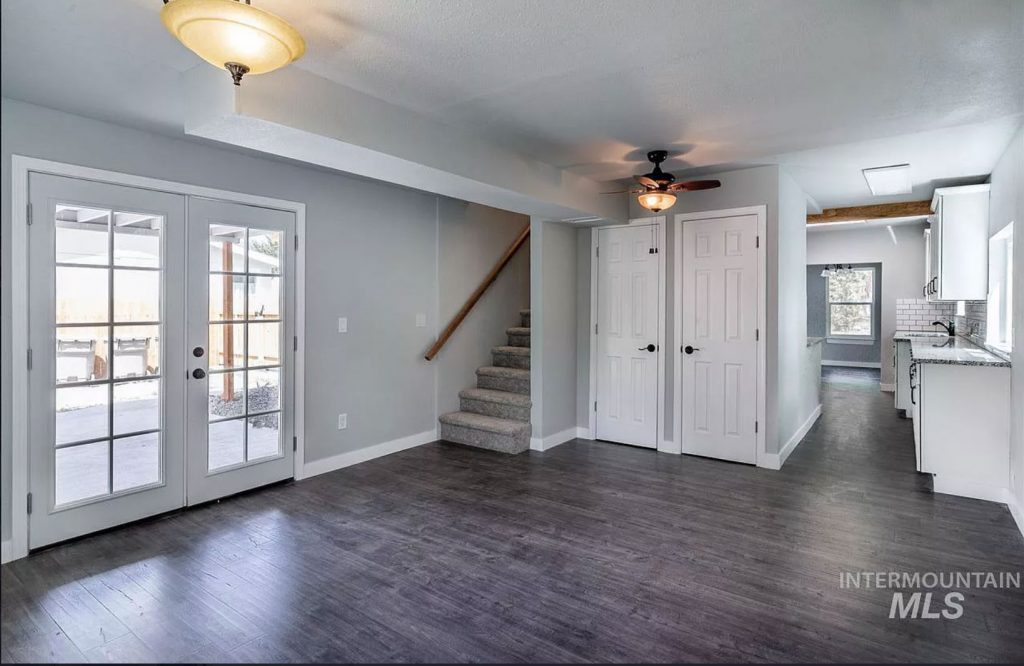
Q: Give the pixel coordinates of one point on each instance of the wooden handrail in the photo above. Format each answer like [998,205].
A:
[478,292]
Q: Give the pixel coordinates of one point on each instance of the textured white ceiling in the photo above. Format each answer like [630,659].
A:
[592,85]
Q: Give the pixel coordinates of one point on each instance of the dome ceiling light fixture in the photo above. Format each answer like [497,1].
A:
[234,35]
[659,187]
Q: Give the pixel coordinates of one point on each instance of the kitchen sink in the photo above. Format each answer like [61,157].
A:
[926,334]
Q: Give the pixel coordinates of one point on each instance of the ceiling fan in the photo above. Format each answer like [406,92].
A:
[659,187]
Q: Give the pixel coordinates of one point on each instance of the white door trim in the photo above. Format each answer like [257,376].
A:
[659,223]
[761,212]
[21,167]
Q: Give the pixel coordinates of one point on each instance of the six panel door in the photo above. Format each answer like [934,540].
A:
[719,345]
[627,340]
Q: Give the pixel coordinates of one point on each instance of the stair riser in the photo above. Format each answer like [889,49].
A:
[483,439]
[521,386]
[498,409]
[524,320]
[518,340]
[511,361]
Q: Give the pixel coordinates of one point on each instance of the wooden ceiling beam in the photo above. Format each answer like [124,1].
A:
[872,212]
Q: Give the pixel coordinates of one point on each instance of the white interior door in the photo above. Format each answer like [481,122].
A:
[241,267]
[106,381]
[719,345]
[628,348]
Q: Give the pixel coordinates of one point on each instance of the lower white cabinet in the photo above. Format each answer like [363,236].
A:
[962,428]
[901,368]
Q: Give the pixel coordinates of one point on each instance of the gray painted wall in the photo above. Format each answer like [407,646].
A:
[902,267]
[817,319]
[554,331]
[372,253]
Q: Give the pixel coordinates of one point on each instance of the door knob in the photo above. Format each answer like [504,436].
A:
[689,350]
[649,348]
[198,352]
[198,373]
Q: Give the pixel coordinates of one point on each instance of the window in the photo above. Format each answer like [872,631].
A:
[851,304]
[999,327]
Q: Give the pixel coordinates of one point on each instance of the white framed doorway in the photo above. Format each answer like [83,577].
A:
[125,350]
[627,333]
[720,328]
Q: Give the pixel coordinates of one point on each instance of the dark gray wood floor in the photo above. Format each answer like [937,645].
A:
[587,552]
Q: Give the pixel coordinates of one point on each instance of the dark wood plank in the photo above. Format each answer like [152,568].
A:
[587,552]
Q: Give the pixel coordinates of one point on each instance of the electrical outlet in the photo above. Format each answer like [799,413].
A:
[342,324]
[421,320]
[342,421]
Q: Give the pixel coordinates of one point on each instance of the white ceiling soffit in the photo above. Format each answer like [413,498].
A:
[300,116]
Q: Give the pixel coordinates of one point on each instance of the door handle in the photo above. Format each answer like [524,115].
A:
[198,373]
[689,350]
[649,348]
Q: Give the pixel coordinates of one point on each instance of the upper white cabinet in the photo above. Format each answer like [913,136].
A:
[958,244]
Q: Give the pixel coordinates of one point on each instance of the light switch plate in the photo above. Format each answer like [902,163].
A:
[421,320]
[342,421]
[342,324]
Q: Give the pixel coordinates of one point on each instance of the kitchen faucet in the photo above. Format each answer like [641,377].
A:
[950,327]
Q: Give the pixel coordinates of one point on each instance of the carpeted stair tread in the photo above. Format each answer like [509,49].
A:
[490,395]
[517,330]
[486,423]
[507,373]
[514,351]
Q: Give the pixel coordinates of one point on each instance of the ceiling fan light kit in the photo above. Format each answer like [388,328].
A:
[659,187]
[234,35]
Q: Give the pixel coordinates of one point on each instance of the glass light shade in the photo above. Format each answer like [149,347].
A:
[656,201]
[227,31]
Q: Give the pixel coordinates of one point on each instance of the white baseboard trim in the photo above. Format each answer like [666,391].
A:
[1016,510]
[852,364]
[584,433]
[887,388]
[947,485]
[668,446]
[6,551]
[350,458]
[777,460]
[551,441]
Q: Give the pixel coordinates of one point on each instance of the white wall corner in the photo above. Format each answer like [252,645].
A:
[551,441]
[365,454]
[6,551]
[1016,508]
[777,460]
[584,433]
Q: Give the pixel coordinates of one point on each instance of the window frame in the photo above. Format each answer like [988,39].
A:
[842,338]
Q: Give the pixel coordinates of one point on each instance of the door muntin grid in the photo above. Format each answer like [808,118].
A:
[244,347]
[107,385]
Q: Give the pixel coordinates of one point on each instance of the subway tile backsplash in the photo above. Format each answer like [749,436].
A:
[917,314]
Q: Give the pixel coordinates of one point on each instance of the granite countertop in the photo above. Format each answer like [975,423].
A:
[953,351]
[919,335]
[813,341]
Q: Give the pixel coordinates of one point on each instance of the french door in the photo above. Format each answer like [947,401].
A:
[240,356]
[120,296]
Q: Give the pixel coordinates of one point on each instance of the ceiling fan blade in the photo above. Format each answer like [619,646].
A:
[644,180]
[692,185]
[616,192]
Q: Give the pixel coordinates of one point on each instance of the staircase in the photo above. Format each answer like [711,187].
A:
[496,414]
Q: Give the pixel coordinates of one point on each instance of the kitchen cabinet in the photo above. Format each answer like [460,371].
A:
[962,428]
[957,244]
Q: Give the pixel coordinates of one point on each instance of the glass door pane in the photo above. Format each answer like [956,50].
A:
[106,316]
[239,279]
